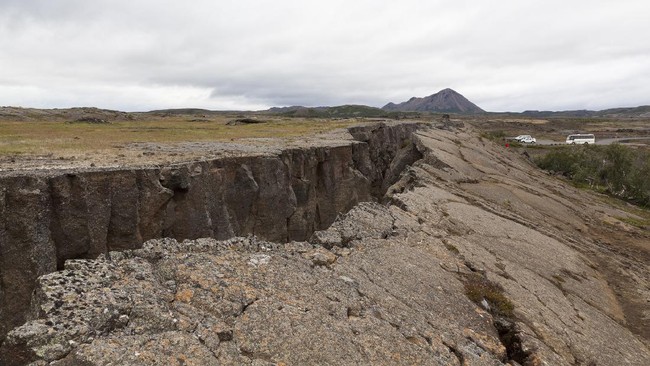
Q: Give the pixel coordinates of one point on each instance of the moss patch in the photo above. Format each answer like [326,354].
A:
[478,288]
[641,223]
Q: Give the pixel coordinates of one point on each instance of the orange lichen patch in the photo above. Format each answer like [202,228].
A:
[184,295]
[199,278]
[181,359]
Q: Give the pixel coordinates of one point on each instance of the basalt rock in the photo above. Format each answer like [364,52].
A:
[51,216]
[249,302]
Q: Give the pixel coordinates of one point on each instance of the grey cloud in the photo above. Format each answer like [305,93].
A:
[511,55]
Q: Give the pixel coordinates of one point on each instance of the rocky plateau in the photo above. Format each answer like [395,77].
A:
[391,244]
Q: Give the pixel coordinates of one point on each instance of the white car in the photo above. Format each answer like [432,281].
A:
[526,139]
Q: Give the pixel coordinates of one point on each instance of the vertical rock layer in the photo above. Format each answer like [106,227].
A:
[49,217]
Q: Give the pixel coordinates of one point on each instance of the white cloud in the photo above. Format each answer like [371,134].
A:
[144,54]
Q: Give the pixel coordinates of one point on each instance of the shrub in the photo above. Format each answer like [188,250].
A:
[615,169]
[494,135]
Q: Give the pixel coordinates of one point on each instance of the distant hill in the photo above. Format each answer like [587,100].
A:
[343,111]
[184,111]
[446,100]
[61,114]
[631,112]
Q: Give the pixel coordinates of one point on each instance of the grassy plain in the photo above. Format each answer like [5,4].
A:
[61,137]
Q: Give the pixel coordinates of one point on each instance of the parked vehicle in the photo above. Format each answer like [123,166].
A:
[581,138]
[526,139]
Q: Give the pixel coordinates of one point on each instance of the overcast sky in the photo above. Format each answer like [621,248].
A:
[506,55]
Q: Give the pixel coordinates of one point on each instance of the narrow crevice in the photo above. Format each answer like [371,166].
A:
[245,307]
[213,353]
[256,356]
[511,340]
[454,351]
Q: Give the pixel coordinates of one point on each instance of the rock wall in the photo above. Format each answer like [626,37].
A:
[479,258]
[47,218]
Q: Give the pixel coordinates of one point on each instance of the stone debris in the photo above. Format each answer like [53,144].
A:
[327,238]
[320,257]
[259,259]
[366,220]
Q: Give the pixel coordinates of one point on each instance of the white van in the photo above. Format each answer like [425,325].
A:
[581,138]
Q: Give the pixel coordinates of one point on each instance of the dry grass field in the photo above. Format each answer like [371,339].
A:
[36,141]
[65,138]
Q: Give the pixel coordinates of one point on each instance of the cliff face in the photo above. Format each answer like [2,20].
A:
[475,257]
[47,218]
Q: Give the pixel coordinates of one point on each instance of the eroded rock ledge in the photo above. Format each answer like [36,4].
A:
[48,217]
[248,301]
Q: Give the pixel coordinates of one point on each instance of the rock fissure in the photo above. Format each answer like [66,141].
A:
[458,354]
[213,352]
[82,214]
[509,336]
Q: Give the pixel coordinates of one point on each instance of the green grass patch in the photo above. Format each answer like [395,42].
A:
[494,135]
[641,223]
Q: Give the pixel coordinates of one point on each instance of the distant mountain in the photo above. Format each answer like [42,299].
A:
[342,111]
[446,100]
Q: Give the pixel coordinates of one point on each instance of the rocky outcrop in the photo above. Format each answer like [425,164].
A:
[475,257]
[250,302]
[49,217]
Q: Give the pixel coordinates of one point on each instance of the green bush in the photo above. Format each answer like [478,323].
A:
[615,169]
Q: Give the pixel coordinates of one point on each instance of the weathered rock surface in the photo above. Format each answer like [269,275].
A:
[51,216]
[384,284]
[245,301]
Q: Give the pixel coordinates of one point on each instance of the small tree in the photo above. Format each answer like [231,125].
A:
[617,169]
